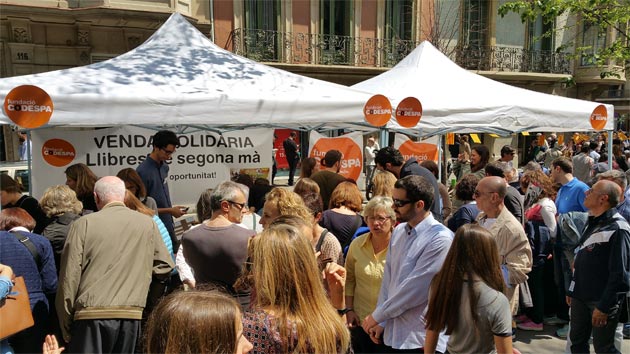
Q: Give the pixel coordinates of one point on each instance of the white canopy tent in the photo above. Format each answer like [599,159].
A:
[456,100]
[179,77]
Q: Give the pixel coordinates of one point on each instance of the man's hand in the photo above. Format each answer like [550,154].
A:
[368,323]
[568,300]
[376,334]
[177,211]
[352,320]
[599,318]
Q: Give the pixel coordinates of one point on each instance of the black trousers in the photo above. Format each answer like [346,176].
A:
[293,162]
[581,328]
[361,342]
[104,336]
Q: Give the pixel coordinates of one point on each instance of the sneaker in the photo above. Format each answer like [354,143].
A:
[563,331]
[521,318]
[530,326]
[626,331]
[555,321]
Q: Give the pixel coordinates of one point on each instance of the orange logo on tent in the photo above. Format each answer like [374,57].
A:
[28,106]
[421,151]
[351,160]
[378,110]
[58,152]
[408,112]
[599,117]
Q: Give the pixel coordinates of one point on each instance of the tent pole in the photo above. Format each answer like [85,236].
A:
[30,161]
[610,147]
[439,145]
[383,137]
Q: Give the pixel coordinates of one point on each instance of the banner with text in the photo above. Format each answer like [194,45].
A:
[350,146]
[203,160]
[425,150]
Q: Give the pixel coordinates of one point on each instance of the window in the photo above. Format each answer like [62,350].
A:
[261,37]
[475,23]
[335,31]
[399,19]
[594,38]
[537,30]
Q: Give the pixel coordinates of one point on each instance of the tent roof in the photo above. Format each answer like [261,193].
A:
[177,77]
[456,100]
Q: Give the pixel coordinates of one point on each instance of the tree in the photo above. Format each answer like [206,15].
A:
[606,14]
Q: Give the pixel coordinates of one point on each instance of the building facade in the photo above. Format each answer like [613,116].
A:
[340,41]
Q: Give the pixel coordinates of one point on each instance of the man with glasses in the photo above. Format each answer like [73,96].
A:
[390,159]
[418,247]
[217,249]
[601,276]
[154,171]
[514,250]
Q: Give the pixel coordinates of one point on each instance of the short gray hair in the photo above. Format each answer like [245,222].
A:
[227,190]
[110,189]
[615,176]
[380,204]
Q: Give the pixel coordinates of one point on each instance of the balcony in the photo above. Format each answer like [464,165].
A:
[323,49]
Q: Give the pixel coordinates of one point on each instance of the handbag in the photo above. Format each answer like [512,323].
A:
[15,310]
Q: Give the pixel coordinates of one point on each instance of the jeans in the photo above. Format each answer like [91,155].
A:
[581,329]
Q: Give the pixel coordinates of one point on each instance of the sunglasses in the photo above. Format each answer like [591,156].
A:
[401,202]
[239,205]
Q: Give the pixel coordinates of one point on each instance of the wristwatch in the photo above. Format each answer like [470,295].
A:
[344,311]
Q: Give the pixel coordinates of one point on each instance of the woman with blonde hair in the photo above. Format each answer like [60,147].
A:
[281,201]
[81,180]
[196,322]
[466,297]
[291,312]
[383,184]
[343,218]
[62,207]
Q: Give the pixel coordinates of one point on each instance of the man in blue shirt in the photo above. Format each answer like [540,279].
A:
[154,171]
[570,198]
[418,247]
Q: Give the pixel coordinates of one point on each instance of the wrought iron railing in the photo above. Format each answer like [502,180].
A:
[512,60]
[324,49]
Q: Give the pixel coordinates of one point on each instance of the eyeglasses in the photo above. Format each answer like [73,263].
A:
[477,193]
[241,206]
[168,152]
[378,219]
[401,202]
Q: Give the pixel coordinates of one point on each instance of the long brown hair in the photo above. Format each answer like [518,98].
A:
[129,175]
[134,203]
[288,282]
[473,255]
[193,322]
[84,177]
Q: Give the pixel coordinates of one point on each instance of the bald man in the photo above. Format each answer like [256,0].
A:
[106,268]
[514,250]
[601,276]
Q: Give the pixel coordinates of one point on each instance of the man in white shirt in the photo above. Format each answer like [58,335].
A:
[418,247]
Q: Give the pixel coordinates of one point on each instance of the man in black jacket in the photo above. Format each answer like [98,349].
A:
[291,152]
[390,159]
[601,276]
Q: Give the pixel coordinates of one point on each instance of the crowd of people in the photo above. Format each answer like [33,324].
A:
[417,268]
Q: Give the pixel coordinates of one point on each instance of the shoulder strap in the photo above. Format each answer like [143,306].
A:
[30,246]
[318,247]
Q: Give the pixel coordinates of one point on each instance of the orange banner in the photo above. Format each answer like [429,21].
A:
[409,112]
[378,110]
[28,106]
